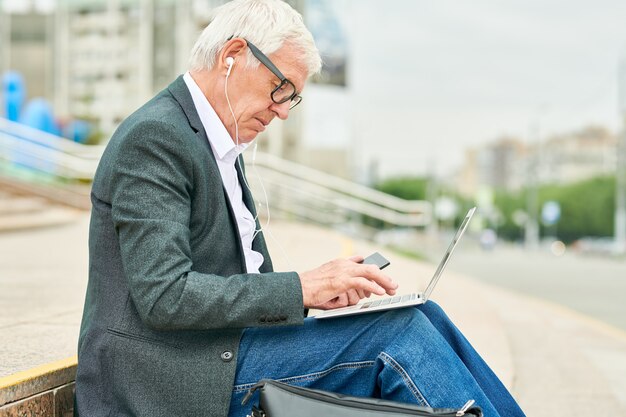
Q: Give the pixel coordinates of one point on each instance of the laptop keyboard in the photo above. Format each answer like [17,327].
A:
[390,301]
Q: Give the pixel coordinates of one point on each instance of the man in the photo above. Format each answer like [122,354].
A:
[183,310]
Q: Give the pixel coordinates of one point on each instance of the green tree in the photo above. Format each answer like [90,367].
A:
[587,209]
[508,204]
[408,188]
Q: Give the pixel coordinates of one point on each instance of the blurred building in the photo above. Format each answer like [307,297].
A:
[26,44]
[119,53]
[99,60]
[577,156]
[96,59]
[327,118]
[498,165]
[506,164]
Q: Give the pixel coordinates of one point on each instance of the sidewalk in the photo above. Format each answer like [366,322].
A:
[556,362]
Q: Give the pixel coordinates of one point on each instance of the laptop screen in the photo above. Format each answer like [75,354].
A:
[446,257]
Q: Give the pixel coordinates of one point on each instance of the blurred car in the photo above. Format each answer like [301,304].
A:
[488,239]
[605,245]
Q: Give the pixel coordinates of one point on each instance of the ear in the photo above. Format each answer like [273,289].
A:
[235,49]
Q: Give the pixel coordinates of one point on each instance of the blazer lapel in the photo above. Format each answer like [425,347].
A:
[247,195]
[178,89]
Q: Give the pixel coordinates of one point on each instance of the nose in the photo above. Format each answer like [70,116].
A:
[281,110]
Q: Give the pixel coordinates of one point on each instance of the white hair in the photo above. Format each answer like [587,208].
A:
[268,24]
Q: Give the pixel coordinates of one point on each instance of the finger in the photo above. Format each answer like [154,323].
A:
[356,258]
[361,293]
[353,297]
[341,301]
[372,272]
[366,285]
[330,304]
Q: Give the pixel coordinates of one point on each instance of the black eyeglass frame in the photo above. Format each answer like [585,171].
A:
[295,98]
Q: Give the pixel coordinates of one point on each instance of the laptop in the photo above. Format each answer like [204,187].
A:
[401,301]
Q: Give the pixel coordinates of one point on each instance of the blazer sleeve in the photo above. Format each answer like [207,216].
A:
[150,189]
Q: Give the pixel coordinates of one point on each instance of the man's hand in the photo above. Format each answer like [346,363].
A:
[343,282]
[350,298]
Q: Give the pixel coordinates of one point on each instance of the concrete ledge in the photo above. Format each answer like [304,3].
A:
[46,217]
[46,391]
[72,195]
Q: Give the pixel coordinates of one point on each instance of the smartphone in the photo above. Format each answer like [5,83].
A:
[377,259]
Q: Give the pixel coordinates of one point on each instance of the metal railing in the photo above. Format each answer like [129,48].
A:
[41,152]
[306,193]
[292,190]
[38,163]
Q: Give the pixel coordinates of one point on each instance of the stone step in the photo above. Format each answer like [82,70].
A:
[44,217]
[25,206]
[10,205]
[70,195]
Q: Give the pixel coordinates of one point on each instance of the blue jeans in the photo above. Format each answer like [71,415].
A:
[413,355]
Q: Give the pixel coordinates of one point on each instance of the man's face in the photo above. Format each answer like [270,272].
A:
[249,91]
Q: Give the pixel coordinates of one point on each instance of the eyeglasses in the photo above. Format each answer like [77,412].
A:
[285,91]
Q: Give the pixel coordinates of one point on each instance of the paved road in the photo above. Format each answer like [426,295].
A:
[594,286]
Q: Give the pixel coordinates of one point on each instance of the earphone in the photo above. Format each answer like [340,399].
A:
[229,61]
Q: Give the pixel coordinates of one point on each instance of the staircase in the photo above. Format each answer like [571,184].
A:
[296,192]
[44,179]
[23,211]
[35,165]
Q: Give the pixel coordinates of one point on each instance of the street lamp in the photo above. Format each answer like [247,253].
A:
[531,230]
[620,172]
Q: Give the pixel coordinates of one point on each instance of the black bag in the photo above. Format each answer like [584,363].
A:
[282,400]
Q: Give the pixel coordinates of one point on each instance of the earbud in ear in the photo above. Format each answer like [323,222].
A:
[229,61]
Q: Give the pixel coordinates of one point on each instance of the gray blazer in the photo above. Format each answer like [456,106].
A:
[168,293]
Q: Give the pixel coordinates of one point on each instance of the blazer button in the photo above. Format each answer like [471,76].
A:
[283,317]
[227,356]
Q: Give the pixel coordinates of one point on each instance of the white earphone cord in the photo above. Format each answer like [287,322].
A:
[253,156]
[256,172]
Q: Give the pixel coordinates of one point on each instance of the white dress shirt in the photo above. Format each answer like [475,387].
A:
[226,153]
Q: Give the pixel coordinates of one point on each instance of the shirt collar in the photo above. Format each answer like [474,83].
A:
[221,142]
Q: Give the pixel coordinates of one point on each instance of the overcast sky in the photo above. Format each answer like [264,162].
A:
[430,78]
